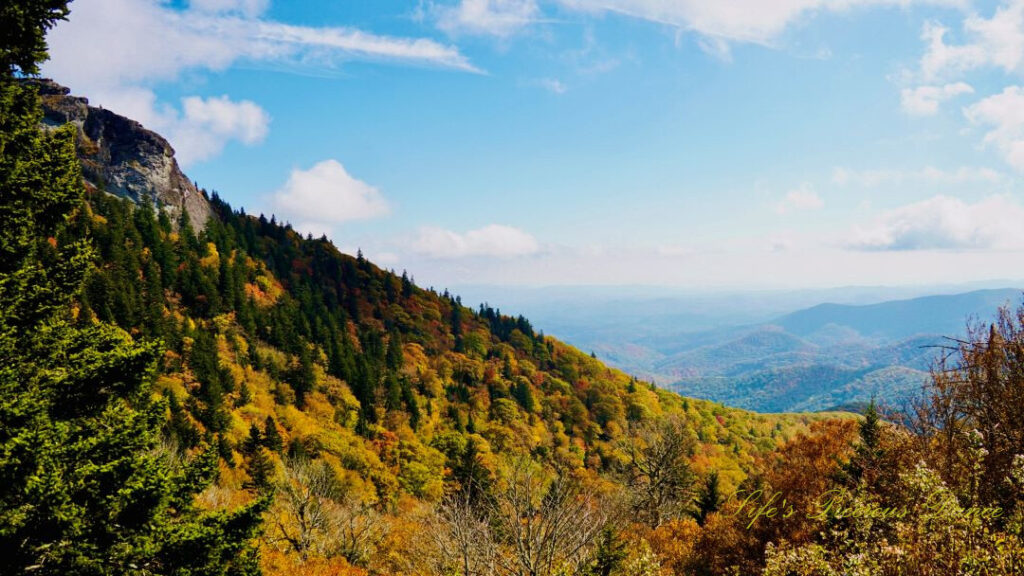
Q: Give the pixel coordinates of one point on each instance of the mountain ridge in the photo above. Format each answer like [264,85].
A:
[895,319]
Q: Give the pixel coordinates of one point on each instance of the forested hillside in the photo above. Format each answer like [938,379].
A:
[231,398]
[278,347]
[285,359]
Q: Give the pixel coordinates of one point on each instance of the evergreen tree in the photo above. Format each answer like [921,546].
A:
[394,358]
[225,450]
[244,395]
[271,437]
[302,377]
[253,441]
[23,34]
[608,556]
[393,397]
[863,466]
[214,380]
[260,468]
[406,285]
[456,325]
[709,499]
[179,428]
[413,407]
[84,487]
[524,395]
[469,474]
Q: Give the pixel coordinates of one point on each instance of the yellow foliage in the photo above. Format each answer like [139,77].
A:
[266,290]
[171,383]
[277,563]
[212,258]
[673,542]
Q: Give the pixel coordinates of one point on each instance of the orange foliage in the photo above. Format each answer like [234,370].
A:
[673,542]
[277,563]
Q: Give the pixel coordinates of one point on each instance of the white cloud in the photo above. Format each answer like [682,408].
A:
[500,18]
[925,100]
[200,129]
[802,198]
[116,51]
[714,46]
[494,240]
[1004,114]
[751,21]
[997,41]
[994,42]
[112,43]
[941,59]
[250,8]
[206,125]
[929,175]
[945,223]
[317,199]
[553,85]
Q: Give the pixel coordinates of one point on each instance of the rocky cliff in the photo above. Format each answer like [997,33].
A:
[121,157]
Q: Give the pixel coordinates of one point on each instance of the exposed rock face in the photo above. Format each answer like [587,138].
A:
[121,157]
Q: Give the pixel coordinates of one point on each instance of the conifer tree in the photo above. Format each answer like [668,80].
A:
[608,556]
[709,498]
[85,487]
[271,437]
[863,466]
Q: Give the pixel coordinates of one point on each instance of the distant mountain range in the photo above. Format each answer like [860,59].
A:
[942,314]
[830,355]
[809,358]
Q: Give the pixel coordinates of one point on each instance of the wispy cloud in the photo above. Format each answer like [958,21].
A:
[945,223]
[553,85]
[929,175]
[116,51]
[125,42]
[724,21]
[495,240]
[997,41]
[1003,114]
[249,8]
[925,100]
[500,18]
[801,198]
[206,125]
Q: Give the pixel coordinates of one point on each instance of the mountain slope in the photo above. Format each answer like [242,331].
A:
[279,348]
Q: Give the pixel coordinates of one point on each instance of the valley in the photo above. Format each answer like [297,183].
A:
[791,358]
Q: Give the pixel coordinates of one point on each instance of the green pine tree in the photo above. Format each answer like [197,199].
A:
[709,499]
[863,467]
[85,487]
[608,556]
[271,437]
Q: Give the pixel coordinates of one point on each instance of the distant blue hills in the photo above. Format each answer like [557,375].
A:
[944,314]
[767,351]
[832,355]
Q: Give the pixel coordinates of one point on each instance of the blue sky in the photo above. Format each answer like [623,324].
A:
[737,143]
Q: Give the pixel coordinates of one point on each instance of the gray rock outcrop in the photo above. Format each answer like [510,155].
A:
[121,157]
